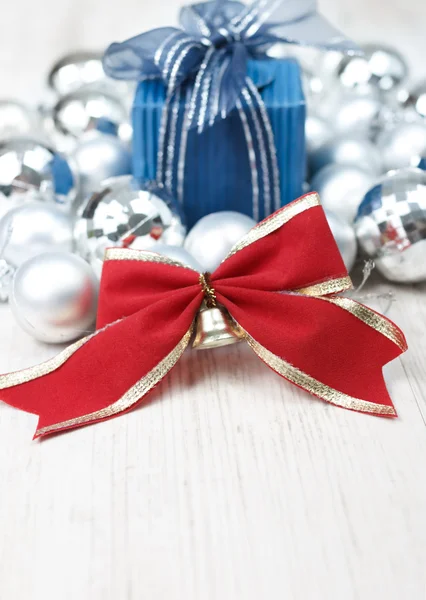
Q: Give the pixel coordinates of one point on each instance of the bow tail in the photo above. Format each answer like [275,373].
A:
[332,347]
[107,373]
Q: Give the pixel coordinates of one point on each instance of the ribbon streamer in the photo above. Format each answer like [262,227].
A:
[280,284]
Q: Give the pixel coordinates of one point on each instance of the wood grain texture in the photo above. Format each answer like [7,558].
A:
[230,483]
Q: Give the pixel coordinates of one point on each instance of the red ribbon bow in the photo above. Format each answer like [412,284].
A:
[279,283]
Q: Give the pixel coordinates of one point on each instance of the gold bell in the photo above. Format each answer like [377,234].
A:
[215,328]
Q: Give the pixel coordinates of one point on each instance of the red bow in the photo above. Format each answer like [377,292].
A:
[279,283]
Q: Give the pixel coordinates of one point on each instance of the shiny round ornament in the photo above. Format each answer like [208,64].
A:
[344,235]
[352,150]
[416,100]
[6,276]
[16,119]
[381,66]
[121,214]
[391,225]
[90,109]
[318,131]
[342,188]
[32,229]
[98,157]
[54,297]
[212,238]
[177,253]
[30,167]
[403,145]
[73,71]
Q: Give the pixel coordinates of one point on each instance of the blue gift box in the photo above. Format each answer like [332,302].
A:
[217,172]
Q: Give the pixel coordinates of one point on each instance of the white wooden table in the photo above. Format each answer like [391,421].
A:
[230,484]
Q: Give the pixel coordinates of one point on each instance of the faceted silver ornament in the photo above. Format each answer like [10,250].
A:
[403,145]
[30,167]
[121,214]
[90,109]
[16,119]
[6,276]
[380,66]
[391,225]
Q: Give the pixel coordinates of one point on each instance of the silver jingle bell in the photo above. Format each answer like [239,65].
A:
[391,225]
[88,109]
[121,214]
[29,166]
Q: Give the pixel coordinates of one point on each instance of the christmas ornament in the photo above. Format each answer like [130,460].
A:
[353,112]
[214,328]
[73,71]
[391,225]
[380,66]
[403,146]
[318,131]
[174,252]
[54,297]
[342,188]
[6,275]
[148,304]
[210,240]
[31,167]
[32,229]
[16,119]
[416,100]
[347,150]
[121,214]
[345,238]
[89,109]
[99,157]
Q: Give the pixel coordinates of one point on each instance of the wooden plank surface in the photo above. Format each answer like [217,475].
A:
[230,483]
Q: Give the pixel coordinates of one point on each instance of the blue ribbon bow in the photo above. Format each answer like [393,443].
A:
[210,52]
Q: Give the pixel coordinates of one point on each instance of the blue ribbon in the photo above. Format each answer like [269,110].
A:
[211,51]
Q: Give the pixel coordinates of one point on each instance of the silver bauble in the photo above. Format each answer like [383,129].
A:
[391,225]
[16,119]
[54,297]
[403,146]
[353,111]
[212,238]
[90,109]
[344,235]
[98,157]
[318,131]
[6,276]
[416,100]
[73,71]
[32,229]
[380,66]
[177,253]
[121,214]
[347,150]
[28,166]
[342,188]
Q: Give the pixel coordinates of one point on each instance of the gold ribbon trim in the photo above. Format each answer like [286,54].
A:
[372,319]
[276,221]
[143,256]
[313,386]
[133,395]
[208,290]
[333,286]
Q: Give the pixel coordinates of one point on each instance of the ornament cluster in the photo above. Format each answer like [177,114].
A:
[66,190]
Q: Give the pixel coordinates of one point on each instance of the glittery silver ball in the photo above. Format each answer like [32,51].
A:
[344,235]
[90,109]
[73,71]
[380,66]
[98,157]
[54,297]
[318,131]
[347,150]
[210,240]
[403,145]
[32,168]
[342,188]
[16,119]
[391,225]
[416,99]
[6,276]
[32,229]
[121,214]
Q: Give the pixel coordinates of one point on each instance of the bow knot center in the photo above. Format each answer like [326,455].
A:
[223,37]
[208,290]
